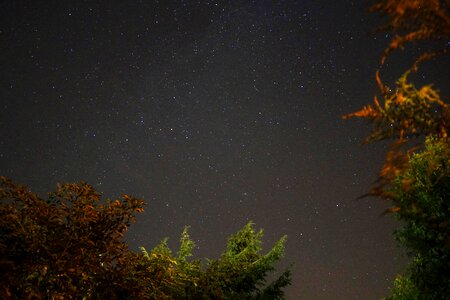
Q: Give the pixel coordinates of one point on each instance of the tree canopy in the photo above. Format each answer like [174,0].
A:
[423,207]
[70,246]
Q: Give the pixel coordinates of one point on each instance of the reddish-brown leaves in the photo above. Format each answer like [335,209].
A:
[407,112]
[70,243]
[414,21]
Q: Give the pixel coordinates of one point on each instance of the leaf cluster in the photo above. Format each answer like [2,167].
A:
[64,246]
[404,115]
[415,20]
[406,112]
[404,289]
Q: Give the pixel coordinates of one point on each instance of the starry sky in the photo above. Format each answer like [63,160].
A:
[215,113]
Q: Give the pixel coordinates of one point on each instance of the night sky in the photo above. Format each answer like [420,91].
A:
[215,113]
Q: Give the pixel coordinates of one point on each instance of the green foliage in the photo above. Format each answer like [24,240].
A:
[404,289]
[241,269]
[186,246]
[422,202]
[239,273]
[69,246]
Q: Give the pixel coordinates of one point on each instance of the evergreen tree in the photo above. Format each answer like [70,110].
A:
[239,273]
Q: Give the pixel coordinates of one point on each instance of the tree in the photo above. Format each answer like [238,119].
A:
[70,246]
[241,270]
[239,273]
[424,210]
[406,112]
[64,246]
[415,178]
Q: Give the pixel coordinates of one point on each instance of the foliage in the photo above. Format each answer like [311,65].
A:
[416,20]
[176,274]
[65,246]
[239,273]
[416,178]
[424,209]
[69,246]
[406,112]
[404,289]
